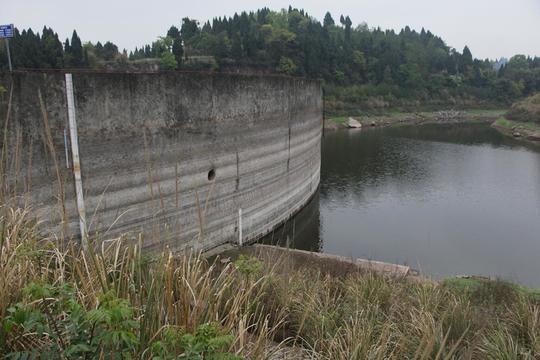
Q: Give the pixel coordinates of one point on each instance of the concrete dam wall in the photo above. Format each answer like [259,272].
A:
[173,156]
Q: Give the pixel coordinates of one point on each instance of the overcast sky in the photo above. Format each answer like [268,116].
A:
[491,28]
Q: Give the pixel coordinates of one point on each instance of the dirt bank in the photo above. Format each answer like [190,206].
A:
[416,118]
[526,131]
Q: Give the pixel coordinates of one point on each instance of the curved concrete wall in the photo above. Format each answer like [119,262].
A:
[168,154]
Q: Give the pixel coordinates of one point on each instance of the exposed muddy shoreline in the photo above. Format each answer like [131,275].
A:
[416,118]
[518,132]
[527,132]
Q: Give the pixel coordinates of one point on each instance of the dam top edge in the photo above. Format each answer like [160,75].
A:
[157,73]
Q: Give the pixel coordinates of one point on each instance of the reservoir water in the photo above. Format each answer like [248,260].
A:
[444,199]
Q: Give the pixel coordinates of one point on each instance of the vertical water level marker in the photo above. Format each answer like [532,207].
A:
[240,235]
[75,159]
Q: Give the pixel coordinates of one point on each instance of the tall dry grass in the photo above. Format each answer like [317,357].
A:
[52,299]
[254,301]
[162,292]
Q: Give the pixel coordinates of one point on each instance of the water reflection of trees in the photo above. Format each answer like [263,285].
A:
[384,165]
[464,133]
[356,162]
[410,160]
[303,231]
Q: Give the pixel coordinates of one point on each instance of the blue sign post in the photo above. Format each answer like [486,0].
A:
[6,32]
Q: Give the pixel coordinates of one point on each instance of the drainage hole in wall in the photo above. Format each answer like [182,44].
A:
[211,175]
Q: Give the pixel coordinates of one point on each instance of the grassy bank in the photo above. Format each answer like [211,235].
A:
[119,303]
[529,131]
[511,124]
[400,118]
[526,110]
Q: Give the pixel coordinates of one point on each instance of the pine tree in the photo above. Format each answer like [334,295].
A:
[67,54]
[466,60]
[76,51]
[348,24]
[173,32]
[328,20]
[110,51]
[236,49]
[51,49]
[189,28]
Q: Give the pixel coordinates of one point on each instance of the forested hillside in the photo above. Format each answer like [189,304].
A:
[360,66]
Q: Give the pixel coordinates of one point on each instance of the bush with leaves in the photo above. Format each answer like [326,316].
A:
[249,266]
[64,327]
[208,342]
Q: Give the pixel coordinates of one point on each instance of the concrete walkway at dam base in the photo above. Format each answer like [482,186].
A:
[327,263]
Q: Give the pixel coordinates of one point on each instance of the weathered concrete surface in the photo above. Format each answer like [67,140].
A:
[150,145]
[288,260]
[364,264]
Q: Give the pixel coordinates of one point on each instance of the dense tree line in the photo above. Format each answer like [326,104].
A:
[358,64]
[32,50]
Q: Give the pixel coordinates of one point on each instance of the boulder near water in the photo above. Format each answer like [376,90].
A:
[353,124]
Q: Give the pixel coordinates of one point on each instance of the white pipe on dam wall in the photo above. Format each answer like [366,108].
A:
[168,153]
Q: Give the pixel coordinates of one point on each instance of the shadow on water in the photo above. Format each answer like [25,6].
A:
[302,231]
[447,199]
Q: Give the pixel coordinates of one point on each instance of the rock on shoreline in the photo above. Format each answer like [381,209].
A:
[353,124]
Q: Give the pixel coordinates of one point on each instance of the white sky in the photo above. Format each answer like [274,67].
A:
[491,28]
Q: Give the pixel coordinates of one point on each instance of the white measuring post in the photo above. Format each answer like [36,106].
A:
[75,159]
[66,148]
[240,239]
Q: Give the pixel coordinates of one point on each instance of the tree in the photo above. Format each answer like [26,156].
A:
[236,48]
[328,20]
[110,51]
[173,32]
[189,28]
[177,45]
[348,24]
[167,61]
[465,61]
[359,63]
[67,53]
[397,66]
[286,66]
[178,50]
[99,50]
[51,47]
[75,52]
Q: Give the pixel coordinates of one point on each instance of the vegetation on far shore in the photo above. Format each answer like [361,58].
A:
[512,125]
[117,302]
[362,67]
[402,117]
[526,128]
[522,120]
[526,110]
